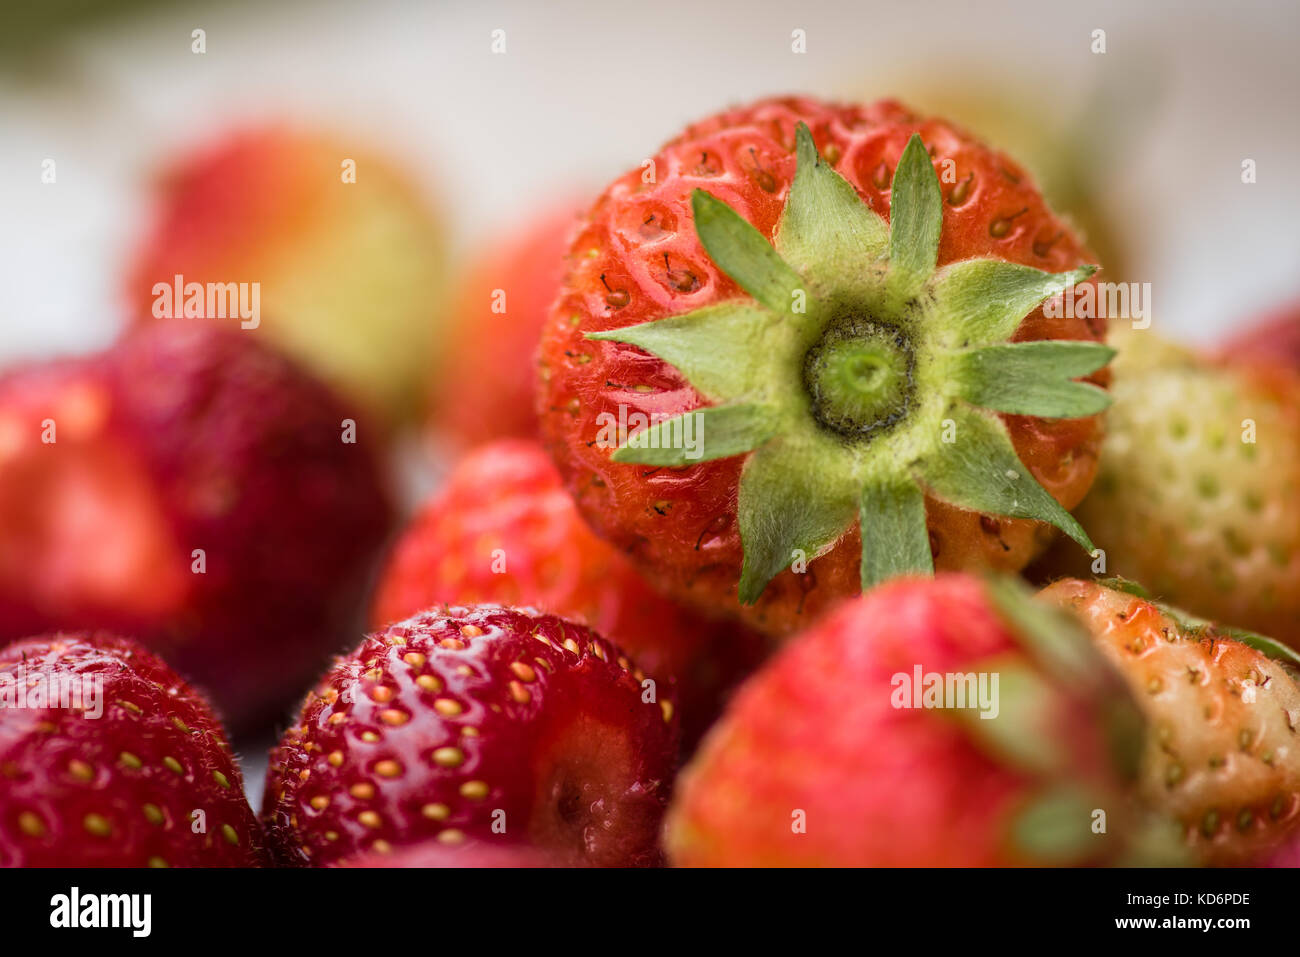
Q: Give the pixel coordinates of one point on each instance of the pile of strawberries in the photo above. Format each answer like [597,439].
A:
[796,515]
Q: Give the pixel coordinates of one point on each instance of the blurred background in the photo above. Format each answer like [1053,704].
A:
[1160,123]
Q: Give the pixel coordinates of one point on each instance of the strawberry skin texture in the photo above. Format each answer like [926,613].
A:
[441,725]
[1223,756]
[185,437]
[469,854]
[1184,503]
[118,790]
[489,358]
[349,272]
[679,525]
[815,731]
[505,502]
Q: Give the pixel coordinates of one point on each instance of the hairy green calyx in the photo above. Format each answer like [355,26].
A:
[858,377]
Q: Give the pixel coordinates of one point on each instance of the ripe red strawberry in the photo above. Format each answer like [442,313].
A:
[727,410]
[467,854]
[502,529]
[490,355]
[1274,338]
[349,258]
[486,724]
[1063,150]
[111,765]
[1198,495]
[824,758]
[1223,756]
[194,489]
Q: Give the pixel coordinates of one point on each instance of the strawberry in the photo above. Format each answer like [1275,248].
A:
[194,489]
[486,724]
[1288,856]
[1273,338]
[503,529]
[838,754]
[347,255]
[1223,757]
[730,412]
[1065,150]
[497,315]
[117,763]
[467,854]
[1198,496]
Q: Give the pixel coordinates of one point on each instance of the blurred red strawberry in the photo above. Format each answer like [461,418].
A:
[195,489]
[1272,338]
[503,529]
[348,257]
[490,361]
[109,766]
[942,722]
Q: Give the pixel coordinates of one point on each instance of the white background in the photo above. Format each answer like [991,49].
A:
[586,89]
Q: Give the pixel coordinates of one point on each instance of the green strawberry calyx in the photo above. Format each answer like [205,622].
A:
[858,378]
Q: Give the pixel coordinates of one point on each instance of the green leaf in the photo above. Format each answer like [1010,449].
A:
[1058,642]
[991,298]
[1056,825]
[895,540]
[1126,585]
[716,432]
[1019,731]
[721,350]
[743,254]
[825,226]
[1033,378]
[783,507]
[981,471]
[1061,645]
[915,218]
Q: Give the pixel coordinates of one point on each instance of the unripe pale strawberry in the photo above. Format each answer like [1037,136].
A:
[1222,754]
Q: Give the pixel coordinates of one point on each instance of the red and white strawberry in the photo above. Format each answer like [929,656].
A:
[1222,754]
[348,256]
[194,489]
[854,748]
[477,724]
[802,351]
[109,759]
